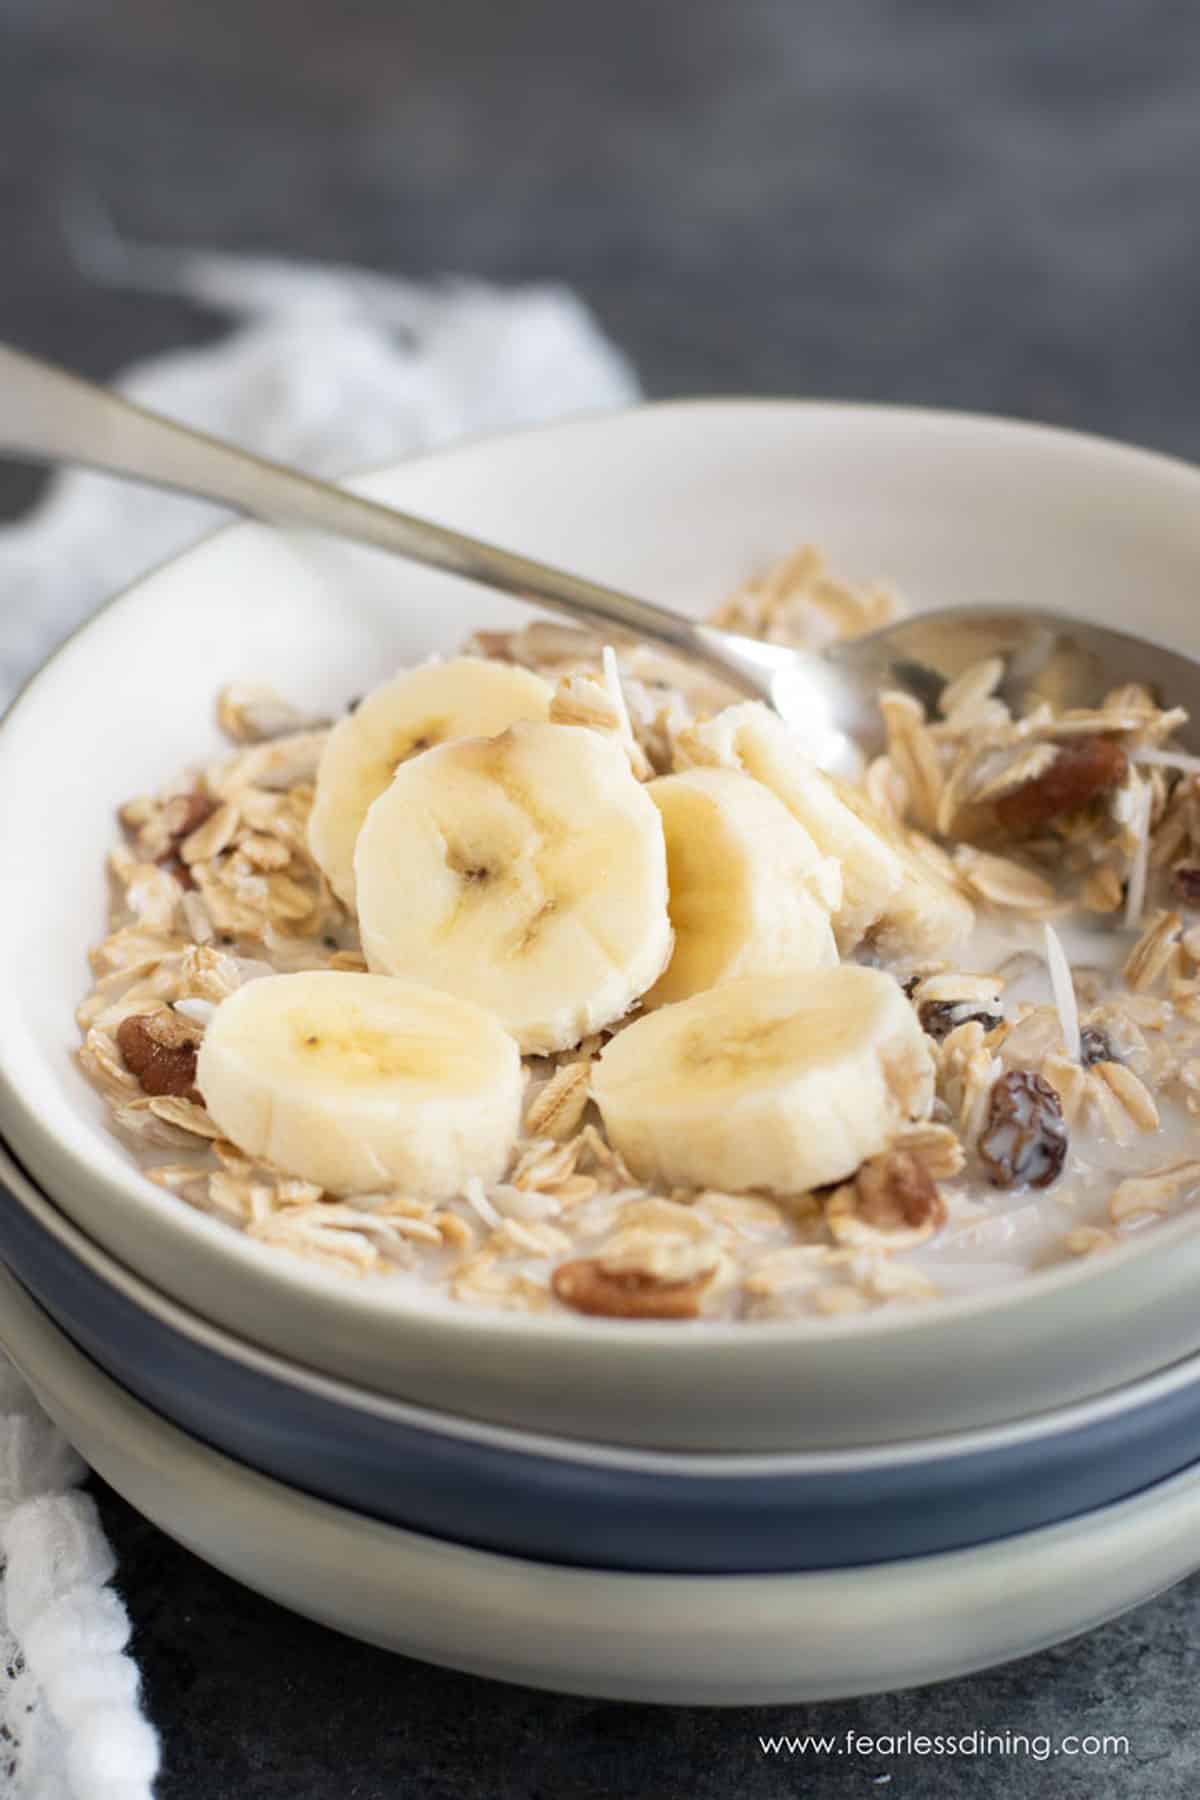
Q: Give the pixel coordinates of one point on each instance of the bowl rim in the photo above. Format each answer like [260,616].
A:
[376,1304]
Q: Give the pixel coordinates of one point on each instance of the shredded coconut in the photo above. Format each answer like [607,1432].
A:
[1139,866]
[1063,988]
[612,681]
[474,1195]
[1168,759]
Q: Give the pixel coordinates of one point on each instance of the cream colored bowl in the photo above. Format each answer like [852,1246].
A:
[680,502]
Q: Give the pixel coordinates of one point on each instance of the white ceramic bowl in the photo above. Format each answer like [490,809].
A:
[559,1500]
[681,502]
[677,1639]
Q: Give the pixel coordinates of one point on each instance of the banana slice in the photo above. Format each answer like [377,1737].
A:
[753,738]
[750,891]
[927,915]
[890,893]
[361,1083]
[782,1083]
[467,697]
[526,872]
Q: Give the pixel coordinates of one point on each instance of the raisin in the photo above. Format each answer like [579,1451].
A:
[1025,1138]
[940,1017]
[160,1049]
[1094,1047]
[1082,769]
[1187,885]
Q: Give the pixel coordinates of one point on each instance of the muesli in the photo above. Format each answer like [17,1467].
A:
[639,1014]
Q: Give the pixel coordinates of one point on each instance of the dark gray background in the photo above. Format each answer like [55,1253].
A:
[976,205]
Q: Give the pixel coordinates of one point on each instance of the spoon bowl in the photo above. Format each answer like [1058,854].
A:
[1044,657]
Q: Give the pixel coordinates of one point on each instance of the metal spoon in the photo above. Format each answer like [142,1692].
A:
[829,698]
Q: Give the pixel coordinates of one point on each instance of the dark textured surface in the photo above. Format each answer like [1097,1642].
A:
[256,1703]
[971,204]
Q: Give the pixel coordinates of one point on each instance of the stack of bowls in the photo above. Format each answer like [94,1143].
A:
[701,1512]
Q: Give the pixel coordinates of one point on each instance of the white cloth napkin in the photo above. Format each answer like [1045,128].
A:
[330,369]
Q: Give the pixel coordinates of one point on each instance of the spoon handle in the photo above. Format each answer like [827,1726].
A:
[54,416]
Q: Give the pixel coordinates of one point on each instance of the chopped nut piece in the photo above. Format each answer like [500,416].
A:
[1025,1137]
[896,1190]
[1083,769]
[587,1286]
[849,1227]
[160,1049]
